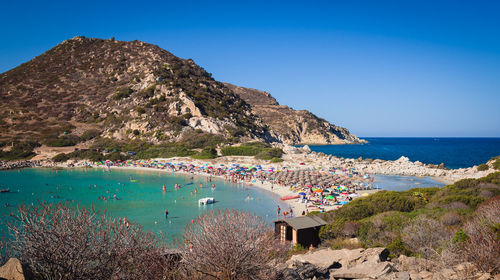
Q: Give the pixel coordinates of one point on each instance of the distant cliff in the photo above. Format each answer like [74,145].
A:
[293,126]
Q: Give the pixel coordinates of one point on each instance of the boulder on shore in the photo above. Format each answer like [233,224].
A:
[12,270]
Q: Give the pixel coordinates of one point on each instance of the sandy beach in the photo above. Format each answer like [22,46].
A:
[297,205]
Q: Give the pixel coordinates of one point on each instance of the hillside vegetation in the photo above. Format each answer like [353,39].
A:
[128,90]
[426,221]
[86,88]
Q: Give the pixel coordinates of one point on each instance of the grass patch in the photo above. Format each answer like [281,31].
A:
[20,150]
[379,219]
[483,167]
[257,149]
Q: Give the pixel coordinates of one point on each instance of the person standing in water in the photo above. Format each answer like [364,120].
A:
[164,188]
[278,210]
[166,214]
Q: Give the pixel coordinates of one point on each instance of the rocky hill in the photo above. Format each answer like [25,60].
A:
[123,89]
[84,88]
[293,126]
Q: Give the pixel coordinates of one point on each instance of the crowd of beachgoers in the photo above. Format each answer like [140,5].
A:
[306,189]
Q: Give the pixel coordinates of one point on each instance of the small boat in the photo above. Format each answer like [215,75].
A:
[4,190]
[288,197]
[206,200]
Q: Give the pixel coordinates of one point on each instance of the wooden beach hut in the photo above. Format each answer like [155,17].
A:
[300,230]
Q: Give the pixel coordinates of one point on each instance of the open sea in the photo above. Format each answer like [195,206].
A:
[453,152]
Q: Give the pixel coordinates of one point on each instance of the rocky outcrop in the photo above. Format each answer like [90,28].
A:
[135,90]
[371,263]
[293,126]
[125,90]
[12,270]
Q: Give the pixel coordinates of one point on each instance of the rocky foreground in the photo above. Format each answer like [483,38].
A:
[372,263]
[328,264]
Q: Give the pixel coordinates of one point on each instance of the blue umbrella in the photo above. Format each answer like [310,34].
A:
[302,193]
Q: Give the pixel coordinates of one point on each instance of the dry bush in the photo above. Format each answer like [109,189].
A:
[231,244]
[451,219]
[350,229]
[456,205]
[4,253]
[483,231]
[425,236]
[486,193]
[58,241]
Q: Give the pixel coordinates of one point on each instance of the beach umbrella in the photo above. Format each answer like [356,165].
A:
[318,190]
[302,193]
[330,197]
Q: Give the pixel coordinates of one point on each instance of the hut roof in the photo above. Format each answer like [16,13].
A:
[304,222]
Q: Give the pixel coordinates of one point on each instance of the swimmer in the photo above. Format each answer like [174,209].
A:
[201,186]
[166,214]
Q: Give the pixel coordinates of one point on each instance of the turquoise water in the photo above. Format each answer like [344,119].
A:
[453,152]
[403,183]
[142,201]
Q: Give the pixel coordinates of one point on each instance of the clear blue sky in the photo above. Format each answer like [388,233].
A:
[379,68]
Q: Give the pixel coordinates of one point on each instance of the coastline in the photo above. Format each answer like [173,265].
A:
[297,205]
[297,159]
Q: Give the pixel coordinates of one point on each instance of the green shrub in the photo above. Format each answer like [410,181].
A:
[61,157]
[269,153]
[90,134]
[20,150]
[460,236]
[276,160]
[470,200]
[206,153]
[398,247]
[257,149]
[201,140]
[122,93]
[140,110]
[240,151]
[482,167]
[63,141]
[496,164]
[148,92]
[298,248]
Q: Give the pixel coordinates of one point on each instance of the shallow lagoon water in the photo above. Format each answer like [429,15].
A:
[403,183]
[140,199]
